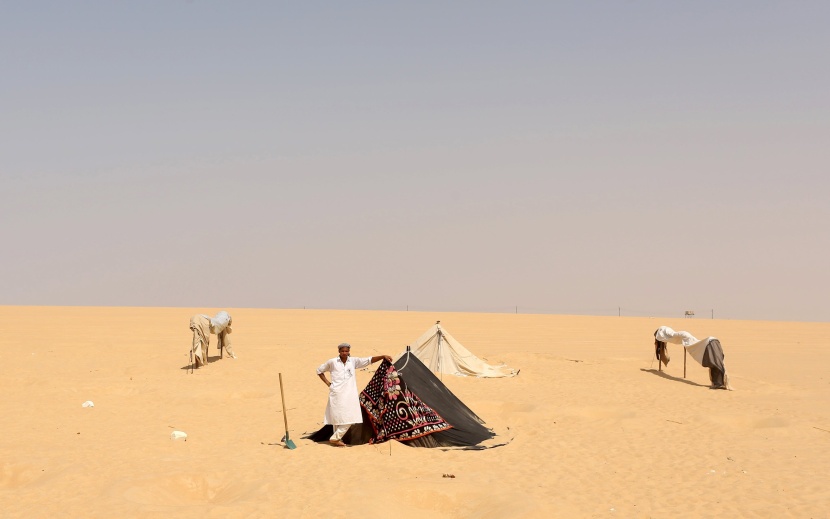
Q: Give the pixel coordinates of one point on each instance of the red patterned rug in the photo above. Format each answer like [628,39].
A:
[394,412]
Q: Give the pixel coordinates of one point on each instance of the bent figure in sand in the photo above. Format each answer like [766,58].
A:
[708,352]
[343,407]
[202,326]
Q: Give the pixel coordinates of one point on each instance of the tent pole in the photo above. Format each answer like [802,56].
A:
[440,336]
[440,368]
[684,362]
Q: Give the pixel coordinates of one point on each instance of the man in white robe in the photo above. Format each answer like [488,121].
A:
[202,326]
[343,408]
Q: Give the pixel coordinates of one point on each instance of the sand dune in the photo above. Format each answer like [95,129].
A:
[593,429]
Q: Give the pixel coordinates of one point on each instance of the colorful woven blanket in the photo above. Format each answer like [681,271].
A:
[395,412]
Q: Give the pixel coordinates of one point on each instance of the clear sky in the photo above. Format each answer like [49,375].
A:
[560,157]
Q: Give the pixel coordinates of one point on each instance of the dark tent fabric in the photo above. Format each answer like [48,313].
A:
[467,428]
[433,405]
[713,359]
[395,413]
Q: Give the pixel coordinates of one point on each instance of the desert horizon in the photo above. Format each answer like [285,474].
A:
[505,310]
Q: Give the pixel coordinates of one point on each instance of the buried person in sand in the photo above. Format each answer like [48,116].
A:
[202,326]
[343,408]
[708,352]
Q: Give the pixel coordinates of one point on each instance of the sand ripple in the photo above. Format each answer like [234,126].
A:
[188,489]
[17,475]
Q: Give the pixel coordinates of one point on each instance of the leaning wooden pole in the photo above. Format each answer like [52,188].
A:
[284,414]
[289,444]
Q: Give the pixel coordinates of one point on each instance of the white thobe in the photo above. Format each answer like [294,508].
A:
[343,406]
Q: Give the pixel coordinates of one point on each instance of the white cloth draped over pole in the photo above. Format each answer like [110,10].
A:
[707,352]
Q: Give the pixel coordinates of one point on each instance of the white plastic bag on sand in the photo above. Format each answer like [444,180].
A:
[88,403]
[178,435]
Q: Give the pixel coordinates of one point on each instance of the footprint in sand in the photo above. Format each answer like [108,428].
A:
[17,475]
[188,488]
[251,394]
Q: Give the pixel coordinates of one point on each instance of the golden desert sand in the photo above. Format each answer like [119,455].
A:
[593,429]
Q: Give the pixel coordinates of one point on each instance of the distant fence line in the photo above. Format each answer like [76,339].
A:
[619,311]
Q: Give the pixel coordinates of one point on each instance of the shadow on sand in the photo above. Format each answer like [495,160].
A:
[211,360]
[665,375]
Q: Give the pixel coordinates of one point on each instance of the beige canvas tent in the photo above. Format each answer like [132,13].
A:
[441,353]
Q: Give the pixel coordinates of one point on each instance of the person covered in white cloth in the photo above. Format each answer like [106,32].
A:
[202,326]
[708,352]
[343,408]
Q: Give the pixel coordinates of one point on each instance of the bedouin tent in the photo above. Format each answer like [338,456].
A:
[405,401]
[708,352]
[441,353]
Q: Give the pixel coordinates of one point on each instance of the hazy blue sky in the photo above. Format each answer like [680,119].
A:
[562,157]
